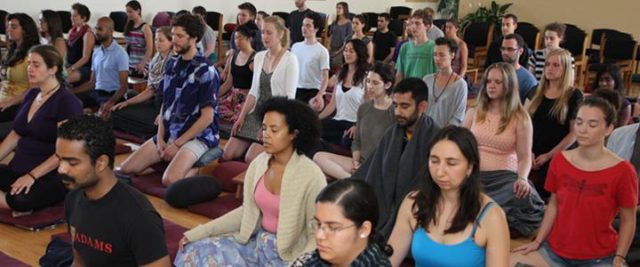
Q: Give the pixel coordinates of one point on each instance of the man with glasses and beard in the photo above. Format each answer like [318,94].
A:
[111,223]
[108,81]
[188,125]
[512,49]
[402,151]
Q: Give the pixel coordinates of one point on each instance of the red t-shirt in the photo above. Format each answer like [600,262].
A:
[588,201]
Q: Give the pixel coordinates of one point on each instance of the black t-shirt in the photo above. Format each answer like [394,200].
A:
[547,130]
[119,229]
[382,43]
[294,23]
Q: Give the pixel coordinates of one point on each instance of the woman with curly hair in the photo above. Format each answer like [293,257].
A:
[22,33]
[281,185]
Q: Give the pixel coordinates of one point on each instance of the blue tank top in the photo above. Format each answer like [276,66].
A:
[427,252]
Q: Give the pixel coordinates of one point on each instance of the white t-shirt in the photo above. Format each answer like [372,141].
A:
[312,59]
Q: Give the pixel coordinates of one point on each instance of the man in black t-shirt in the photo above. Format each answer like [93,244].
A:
[294,21]
[110,223]
[384,40]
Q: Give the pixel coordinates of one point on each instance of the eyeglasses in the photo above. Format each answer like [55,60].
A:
[328,229]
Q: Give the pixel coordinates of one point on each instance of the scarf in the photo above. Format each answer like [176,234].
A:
[76,34]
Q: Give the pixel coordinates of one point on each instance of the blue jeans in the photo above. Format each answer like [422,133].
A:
[555,260]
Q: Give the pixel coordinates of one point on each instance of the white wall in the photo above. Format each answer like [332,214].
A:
[227,7]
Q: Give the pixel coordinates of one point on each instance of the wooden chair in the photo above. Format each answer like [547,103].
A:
[323,33]
[478,37]
[400,12]
[530,33]
[214,20]
[622,52]
[119,20]
[440,23]
[283,15]
[372,19]
[65,18]
[597,39]
[577,41]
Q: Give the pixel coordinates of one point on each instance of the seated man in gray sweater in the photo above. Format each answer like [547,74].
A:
[403,150]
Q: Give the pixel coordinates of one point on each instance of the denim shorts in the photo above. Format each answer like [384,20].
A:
[555,260]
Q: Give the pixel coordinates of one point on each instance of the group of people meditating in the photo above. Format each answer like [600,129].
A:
[427,177]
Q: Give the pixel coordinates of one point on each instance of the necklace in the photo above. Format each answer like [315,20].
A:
[42,96]
[433,85]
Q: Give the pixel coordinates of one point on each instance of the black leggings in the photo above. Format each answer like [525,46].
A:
[47,191]
[333,132]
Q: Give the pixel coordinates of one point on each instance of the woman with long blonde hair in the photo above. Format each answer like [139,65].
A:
[552,107]
[504,132]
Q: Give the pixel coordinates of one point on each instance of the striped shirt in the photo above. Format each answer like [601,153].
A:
[536,62]
[136,45]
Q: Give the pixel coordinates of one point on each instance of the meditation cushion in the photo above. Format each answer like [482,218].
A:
[47,217]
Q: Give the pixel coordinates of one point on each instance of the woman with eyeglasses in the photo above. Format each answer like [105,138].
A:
[281,185]
[448,221]
[345,222]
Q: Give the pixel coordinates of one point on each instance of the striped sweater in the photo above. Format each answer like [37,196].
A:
[302,180]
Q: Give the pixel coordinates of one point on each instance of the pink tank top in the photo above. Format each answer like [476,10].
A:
[497,151]
[269,205]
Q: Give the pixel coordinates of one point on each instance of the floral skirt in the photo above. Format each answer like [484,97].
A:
[261,250]
[230,104]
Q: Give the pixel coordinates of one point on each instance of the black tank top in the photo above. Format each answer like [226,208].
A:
[242,75]
[75,51]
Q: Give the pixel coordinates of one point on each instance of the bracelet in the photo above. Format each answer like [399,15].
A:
[623,257]
[32,177]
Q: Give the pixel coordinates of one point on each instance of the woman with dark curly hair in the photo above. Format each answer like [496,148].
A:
[22,34]
[348,94]
[281,185]
[448,215]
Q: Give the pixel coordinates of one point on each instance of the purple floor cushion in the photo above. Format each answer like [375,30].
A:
[6,260]
[150,184]
[217,207]
[47,217]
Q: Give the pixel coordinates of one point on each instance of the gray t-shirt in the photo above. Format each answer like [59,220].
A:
[340,34]
[371,125]
[434,33]
[209,38]
[446,105]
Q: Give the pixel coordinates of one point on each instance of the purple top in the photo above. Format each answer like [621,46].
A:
[38,138]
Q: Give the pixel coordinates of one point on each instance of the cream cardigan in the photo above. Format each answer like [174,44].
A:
[284,81]
[302,180]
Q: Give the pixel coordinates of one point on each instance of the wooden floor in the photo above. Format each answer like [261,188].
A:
[29,246]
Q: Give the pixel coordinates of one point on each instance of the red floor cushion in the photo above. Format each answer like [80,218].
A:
[122,149]
[150,184]
[47,217]
[225,171]
[216,207]
[6,260]
[128,137]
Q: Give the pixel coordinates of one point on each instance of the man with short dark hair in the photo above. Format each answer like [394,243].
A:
[512,50]
[109,71]
[110,223]
[401,153]
[313,59]
[384,40]
[509,26]
[246,14]
[188,124]
[294,21]
[416,56]
[208,42]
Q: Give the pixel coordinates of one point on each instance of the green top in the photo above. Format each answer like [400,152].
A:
[416,61]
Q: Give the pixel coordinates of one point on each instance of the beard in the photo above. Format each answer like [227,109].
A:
[183,50]
[405,122]
[72,183]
